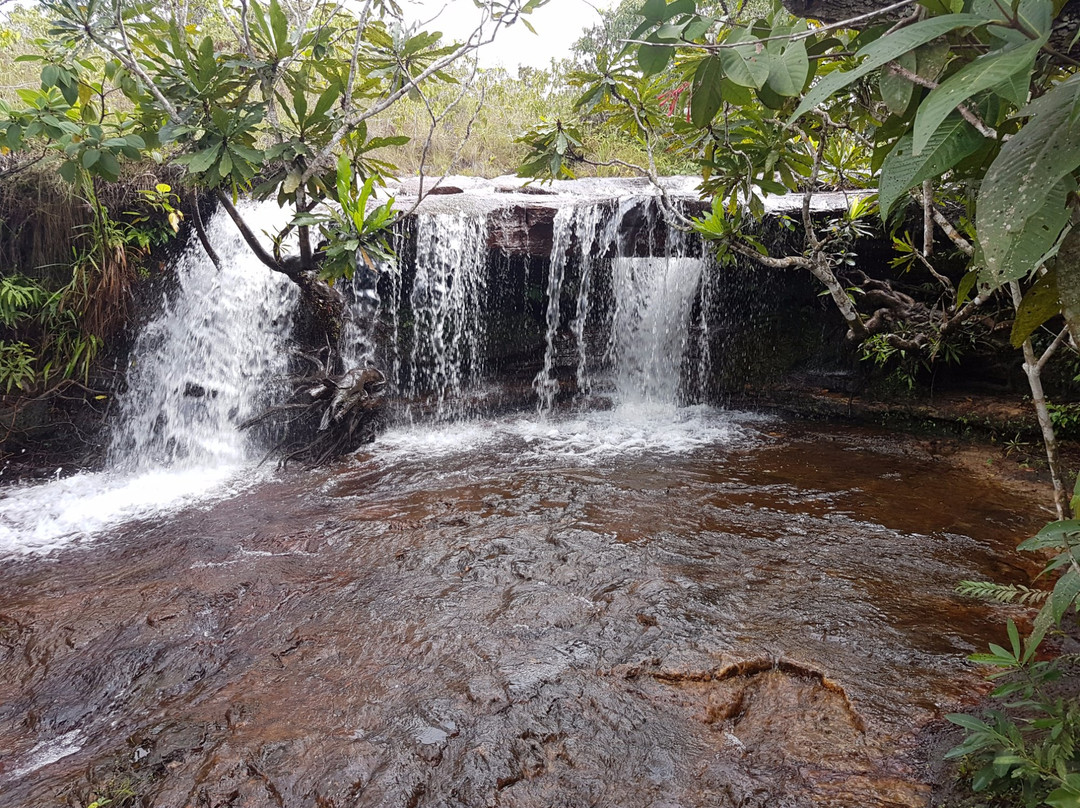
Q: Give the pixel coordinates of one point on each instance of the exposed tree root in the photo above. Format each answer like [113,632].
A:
[327,415]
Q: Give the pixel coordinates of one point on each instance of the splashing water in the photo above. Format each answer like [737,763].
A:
[209,360]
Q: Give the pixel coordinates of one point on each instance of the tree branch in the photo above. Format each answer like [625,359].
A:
[963,109]
[253,240]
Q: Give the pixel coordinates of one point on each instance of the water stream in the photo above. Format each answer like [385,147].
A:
[208,360]
[617,597]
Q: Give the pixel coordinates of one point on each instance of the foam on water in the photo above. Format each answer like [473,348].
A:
[48,752]
[588,437]
[42,518]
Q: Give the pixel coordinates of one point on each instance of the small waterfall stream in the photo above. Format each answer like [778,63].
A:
[207,361]
[213,357]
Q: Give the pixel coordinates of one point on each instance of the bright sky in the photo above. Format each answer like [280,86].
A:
[558,25]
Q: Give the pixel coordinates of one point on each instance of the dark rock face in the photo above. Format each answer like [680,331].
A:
[522,230]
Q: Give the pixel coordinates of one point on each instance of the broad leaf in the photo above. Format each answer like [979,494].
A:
[202,160]
[789,67]
[903,169]
[1064,594]
[983,73]
[884,50]
[653,59]
[1021,205]
[896,91]
[1040,303]
[1056,536]
[743,64]
[707,91]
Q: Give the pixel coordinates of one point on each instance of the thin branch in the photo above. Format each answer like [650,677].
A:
[937,275]
[200,230]
[963,109]
[848,23]
[928,221]
[1062,335]
[252,240]
[787,262]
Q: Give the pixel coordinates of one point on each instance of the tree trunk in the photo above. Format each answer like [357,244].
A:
[1033,371]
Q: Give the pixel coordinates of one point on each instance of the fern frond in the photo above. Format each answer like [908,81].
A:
[1002,593]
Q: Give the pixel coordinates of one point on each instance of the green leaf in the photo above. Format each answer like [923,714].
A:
[1064,594]
[985,72]
[326,100]
[884,50]
[1064,798]
[1014,638]
[654,10]
[744,64]
[280,25]
[1040,303]
[69,170]
[1043,621]
[789,67]
[652,59]
[90,156]
[1021,205]
[108,167]
[931,58]
[967,283]
[969,722]
[896,91]
[708,89]
[903,169]
[226,165]
[202,160]
[1054,536]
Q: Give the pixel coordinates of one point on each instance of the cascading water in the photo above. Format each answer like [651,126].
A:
[215,352]
[652,326]
[447,303]
[209,360]
[645,310]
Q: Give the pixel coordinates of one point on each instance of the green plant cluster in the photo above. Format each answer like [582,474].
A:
[49,335]
[1028,748]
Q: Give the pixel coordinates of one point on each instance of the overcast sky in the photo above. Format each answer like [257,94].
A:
[558,25]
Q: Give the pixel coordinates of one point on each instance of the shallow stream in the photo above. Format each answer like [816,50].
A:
[695,608]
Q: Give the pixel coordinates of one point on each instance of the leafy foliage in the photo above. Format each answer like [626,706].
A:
[1030,747]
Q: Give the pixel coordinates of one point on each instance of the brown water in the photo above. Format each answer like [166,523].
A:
[764,618]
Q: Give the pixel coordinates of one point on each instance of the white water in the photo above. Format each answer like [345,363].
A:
[213,355]
[581,438]
[208,361]
[447,305]
[654,297]
[645,311]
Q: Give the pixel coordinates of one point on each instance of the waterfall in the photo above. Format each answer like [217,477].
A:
[447,304]
[545,385]
[644,305]
[652,326]
[210,359]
